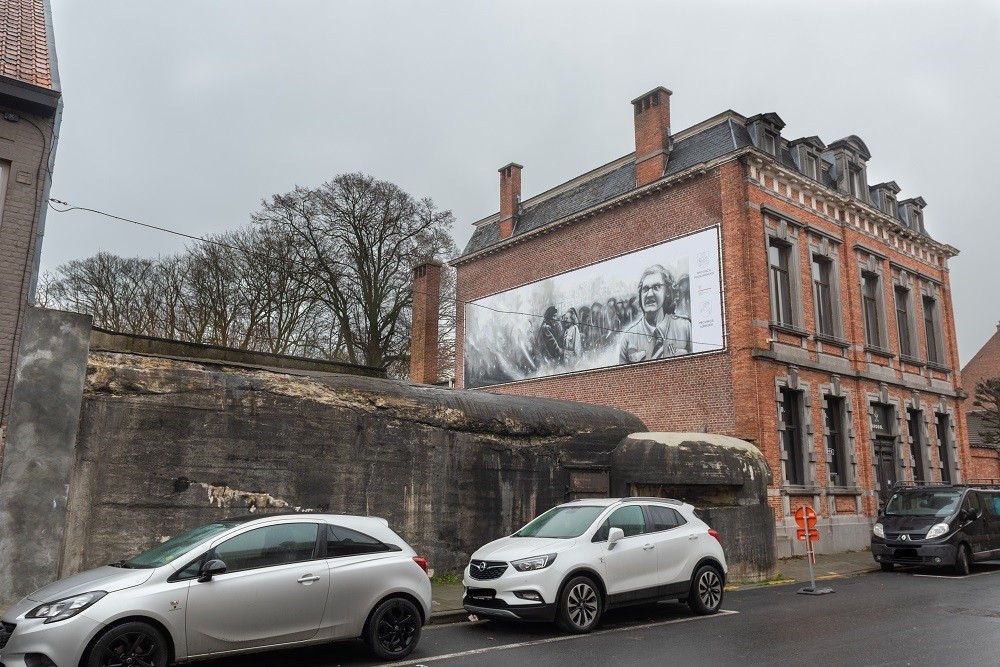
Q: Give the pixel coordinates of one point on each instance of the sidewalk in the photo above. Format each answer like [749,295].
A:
[447,596]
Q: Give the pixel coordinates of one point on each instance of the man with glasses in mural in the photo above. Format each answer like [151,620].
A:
[644,339]
[676,322]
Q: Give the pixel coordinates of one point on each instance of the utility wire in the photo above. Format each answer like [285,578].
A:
[70,207]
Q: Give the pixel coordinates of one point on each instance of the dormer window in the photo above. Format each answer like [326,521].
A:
[770,143]
[856,181]
[805,153]
[765,130]
[810,166]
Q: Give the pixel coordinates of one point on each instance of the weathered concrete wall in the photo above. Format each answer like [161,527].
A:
[38,459]
[725,478]
[102,340]
[164,445]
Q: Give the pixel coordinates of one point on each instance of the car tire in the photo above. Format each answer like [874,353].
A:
[706,591]
[580,606]
[887,567]
[393,629]
[962,561]
[132,643]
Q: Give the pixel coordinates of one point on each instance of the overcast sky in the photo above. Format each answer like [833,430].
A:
[186,114]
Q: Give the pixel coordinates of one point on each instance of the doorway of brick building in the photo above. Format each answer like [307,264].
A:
[885,468]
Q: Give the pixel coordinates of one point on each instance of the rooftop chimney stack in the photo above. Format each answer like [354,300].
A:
[424,338]
[510,198]
[652,135]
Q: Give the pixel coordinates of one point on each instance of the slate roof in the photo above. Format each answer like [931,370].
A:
[704,146]
[728,135]
[24,42]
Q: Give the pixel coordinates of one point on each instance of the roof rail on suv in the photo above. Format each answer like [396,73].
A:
[672,501]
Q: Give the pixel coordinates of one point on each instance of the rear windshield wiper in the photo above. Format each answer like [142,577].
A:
[121,563]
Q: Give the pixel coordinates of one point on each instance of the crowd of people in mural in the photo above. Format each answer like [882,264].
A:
[654,322]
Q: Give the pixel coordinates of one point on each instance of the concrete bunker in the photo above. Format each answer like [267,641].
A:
[725,478]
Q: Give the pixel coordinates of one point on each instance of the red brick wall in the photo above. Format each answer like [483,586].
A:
[24,155]
[985,464]
[733,392]
[664,394]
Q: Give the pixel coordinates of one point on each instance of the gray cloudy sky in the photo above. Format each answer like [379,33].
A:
[185,114]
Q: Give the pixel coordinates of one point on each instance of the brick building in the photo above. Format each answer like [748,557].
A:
[787,302]
[30,104]
[984,365]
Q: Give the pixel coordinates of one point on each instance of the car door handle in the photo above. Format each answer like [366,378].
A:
[308,578]
[694,537]
[647,547]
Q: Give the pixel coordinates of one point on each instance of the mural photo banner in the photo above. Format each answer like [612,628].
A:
[653,304]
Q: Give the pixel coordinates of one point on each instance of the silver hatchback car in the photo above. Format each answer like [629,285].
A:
[234,586]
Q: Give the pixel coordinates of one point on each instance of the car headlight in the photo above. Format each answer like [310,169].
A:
[878,530]
[533,563]
[937,530]
[60,610]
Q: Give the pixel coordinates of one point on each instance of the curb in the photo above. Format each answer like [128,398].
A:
[448,616]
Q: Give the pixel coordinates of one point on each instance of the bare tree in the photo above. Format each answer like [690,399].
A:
[988,400]
[358,239]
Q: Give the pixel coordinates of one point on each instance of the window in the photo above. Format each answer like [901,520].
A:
[791,436]
[809,166]
[943,427]
[628,518]
[663,518]
[823,295]
[770,143]
[270,545]
[342,541]
[855,181]
[781,289]
[869,304]
[836,441]
[930,330]
[903,321]
[914,423]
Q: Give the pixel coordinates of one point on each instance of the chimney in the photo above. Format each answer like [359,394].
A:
[424,339]
[510,198]
[652,135]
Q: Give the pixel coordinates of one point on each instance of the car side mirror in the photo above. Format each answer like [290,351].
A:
[614,535]
[210,569]
[971,514]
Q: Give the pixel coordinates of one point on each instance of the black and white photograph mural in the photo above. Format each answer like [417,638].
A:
[653,304]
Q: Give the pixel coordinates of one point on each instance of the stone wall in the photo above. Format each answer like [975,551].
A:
[164,445]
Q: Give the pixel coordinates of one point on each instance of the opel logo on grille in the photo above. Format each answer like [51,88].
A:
[479,567]
[904,537]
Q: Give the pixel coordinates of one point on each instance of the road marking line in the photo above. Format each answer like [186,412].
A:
[550,640]
[952,576]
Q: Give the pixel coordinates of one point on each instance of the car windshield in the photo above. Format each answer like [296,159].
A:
[923,503]
[562,522]
[166,552]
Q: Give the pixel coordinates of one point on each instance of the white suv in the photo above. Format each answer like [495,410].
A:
[579,559]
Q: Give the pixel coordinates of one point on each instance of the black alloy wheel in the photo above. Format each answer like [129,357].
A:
[706,591]
[129,645]
[962,561]
[579,606]
[393,629]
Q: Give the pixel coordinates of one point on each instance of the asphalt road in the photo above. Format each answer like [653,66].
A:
[907,617]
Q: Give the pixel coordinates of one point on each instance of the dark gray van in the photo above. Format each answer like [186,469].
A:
[941,525]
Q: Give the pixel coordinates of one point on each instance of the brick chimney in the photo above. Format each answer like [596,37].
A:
[424,338]
[652,135]
[510,198]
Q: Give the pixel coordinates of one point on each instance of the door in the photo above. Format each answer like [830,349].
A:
[274,591]
[885,468]
[631,563]
[678,548]
[977,530]
[991,508]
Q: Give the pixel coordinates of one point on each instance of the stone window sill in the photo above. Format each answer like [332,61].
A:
[880,351]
